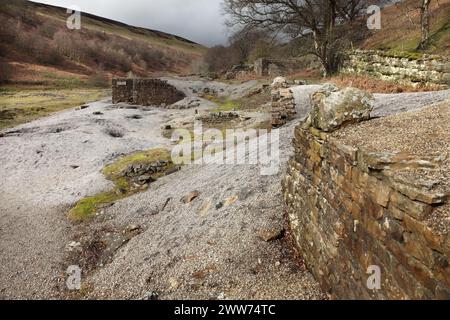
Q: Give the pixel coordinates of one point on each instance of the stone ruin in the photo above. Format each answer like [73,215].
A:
[239,71]
[283,103]
[354,212]
[264,67]
[275,67]
[145,92]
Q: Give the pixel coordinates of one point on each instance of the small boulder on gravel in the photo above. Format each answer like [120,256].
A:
[269,235]
[191,196]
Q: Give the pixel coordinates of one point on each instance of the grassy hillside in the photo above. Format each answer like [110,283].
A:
[401,28]
[37,48]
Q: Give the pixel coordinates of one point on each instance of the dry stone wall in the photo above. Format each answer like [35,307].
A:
[347,213]
[145,92]
[407,68]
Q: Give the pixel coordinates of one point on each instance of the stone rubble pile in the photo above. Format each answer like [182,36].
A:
[218,117]
[283,103]
[143,173]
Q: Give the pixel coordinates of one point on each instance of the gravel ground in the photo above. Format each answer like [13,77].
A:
[201,250]
[422,133]
[388,104]
[183,250]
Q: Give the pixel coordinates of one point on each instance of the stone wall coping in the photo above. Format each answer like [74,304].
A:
[386,166]
[400,54]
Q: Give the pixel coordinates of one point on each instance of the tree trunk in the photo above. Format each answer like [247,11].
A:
[330,65]
[425,23]
[326,52]
[327,56]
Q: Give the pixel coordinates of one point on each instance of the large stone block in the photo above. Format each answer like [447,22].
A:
[333,108]
[416,209]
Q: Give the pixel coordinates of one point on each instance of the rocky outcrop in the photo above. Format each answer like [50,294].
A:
[353,212]
[145,92]
[408,68]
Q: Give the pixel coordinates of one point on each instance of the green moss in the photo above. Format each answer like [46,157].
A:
[229,105]
[87,207]
[404,54]
[224,104]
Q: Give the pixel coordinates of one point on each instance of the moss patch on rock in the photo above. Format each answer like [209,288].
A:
[410,55]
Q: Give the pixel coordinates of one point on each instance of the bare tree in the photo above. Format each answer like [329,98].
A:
[425,23]
[328,23]
[243,46]
[243,42]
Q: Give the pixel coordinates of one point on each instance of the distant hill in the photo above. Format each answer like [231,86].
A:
[37,48]
[400,28]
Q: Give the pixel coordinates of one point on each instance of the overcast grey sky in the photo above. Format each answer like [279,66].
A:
[198,20]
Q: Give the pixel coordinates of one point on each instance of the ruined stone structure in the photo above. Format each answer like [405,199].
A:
[353,211]
[261,67]
[240,71]
[283,103]
[404,67]
[270,67]
[145,92]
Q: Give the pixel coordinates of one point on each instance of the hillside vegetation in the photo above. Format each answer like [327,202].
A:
[400,28]
[38,49]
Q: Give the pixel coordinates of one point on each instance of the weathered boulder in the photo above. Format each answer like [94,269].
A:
[333,108]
